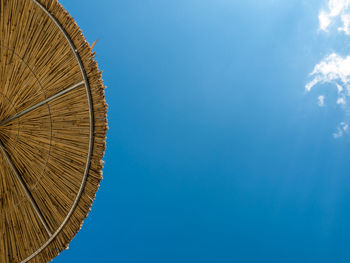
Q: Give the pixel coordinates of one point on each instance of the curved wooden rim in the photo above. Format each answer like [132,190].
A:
[91,137]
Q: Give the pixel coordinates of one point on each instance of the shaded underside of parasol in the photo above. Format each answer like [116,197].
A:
[52,129]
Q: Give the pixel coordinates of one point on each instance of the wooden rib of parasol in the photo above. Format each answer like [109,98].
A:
[52,129]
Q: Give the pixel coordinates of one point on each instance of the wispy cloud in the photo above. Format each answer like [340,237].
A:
[346,24]
[321,100]
[334,69]
[343,128]
[336,9]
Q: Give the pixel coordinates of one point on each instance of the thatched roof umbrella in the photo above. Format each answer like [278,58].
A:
[52,129]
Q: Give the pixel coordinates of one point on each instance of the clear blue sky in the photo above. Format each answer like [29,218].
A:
[215,153]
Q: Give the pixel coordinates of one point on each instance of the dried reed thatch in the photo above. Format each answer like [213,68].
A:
[52,129]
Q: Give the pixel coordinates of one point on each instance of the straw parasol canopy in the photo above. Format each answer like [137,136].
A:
[52,129]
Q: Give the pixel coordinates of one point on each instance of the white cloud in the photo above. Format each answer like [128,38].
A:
[320,101]
[336,8]
[346,24]
[342,128]
[341,101]
[331,69]
[312,83]
[334,70]
[325,20]
[340,88]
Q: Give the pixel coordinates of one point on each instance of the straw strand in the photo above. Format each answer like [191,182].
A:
[48,144]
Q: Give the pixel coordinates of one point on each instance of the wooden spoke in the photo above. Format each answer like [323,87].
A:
[42,102]
[53,126]
[25,188]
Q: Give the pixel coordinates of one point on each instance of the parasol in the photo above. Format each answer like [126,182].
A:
[52,129]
